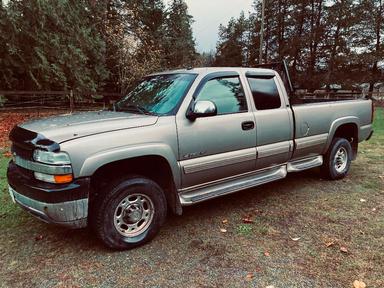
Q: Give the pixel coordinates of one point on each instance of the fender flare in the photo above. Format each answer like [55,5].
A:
[336,124]
[95,161]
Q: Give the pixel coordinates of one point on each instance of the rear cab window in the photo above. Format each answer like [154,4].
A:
[264,90]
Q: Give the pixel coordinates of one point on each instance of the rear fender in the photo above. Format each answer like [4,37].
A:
[336,124]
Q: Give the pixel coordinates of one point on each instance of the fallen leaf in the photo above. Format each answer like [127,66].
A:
[344,249]
[266,253]
[225,221]
[7,154]
[222,230]
[249,276]
[363,200]
[359,284]
[295,238]
[247,220]
[329,243]
[39,237]
[373,209]
[273,232]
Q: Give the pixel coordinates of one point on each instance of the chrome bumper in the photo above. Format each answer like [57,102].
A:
[72,214]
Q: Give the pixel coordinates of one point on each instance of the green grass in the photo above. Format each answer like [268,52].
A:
[10,213]
[4,196]
[378,124]
[244,229]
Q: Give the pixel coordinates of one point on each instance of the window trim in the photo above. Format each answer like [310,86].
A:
[213,76]
[262,75]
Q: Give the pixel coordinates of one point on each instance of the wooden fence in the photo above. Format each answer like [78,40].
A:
[55,99]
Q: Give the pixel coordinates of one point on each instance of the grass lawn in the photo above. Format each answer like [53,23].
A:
[304,232]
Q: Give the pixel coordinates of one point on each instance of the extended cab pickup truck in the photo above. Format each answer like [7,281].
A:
[179,138]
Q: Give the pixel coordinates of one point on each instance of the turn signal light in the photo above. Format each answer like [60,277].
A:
[58,179]
[63,178]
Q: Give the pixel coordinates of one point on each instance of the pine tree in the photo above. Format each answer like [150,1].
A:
[51,45]
[232,48]
[180,45]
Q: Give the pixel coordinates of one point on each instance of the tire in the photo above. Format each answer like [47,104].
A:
[337,160]
[130,213]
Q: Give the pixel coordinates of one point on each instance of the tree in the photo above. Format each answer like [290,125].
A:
[234,39]
[324,41]
[179,43]
[51,45]
[369,38]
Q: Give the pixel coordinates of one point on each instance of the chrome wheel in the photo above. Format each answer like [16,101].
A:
[133,215]
[341,159]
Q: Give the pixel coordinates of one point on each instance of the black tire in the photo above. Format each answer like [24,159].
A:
[332,169]
[135,191]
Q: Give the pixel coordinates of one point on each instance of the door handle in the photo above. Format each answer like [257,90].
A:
[248,125]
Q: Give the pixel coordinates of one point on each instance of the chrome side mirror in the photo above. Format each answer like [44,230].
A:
[202,108]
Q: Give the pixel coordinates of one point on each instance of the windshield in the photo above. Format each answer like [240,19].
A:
[158,94]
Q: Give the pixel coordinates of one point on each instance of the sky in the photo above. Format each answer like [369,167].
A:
[209,14]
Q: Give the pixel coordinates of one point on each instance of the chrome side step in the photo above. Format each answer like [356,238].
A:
[304,164]
[192,196]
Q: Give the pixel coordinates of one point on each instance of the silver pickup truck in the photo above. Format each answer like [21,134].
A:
[178,138]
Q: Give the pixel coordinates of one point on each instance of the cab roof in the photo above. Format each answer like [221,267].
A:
[208,70]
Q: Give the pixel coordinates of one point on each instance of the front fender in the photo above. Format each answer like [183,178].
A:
[95,161]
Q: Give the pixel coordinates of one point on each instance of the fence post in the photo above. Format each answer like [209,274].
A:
[71,102]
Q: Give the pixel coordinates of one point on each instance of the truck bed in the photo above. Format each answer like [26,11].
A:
[314,122]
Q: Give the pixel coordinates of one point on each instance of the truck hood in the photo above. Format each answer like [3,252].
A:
[70,126]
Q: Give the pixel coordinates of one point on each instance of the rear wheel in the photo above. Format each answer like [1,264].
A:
[337,160]
[130,213]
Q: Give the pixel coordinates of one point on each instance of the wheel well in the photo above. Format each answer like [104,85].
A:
[349,131]
[153,167]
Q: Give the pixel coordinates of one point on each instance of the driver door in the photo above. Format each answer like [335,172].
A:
[220,146]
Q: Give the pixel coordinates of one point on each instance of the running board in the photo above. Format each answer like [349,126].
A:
[192,196]
[304,164]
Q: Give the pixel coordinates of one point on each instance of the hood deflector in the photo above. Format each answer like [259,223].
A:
[29,140]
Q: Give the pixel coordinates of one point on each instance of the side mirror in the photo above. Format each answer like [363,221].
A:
[202,108]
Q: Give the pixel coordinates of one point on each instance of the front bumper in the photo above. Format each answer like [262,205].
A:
[62,204]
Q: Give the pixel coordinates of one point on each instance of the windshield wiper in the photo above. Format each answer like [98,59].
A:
[134,108]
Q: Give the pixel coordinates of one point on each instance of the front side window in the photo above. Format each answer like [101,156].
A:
[265,93]
[157,94]
[227,94]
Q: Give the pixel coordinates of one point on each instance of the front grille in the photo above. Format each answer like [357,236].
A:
[25,154]
[25,172]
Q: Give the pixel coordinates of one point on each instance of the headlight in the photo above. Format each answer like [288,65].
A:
[55,158]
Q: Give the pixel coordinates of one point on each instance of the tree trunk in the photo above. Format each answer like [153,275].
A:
[375,69]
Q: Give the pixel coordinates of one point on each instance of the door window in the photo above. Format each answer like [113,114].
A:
[227,94]
[265,93]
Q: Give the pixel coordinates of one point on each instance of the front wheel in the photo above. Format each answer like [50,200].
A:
[337,160]
[130,213]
